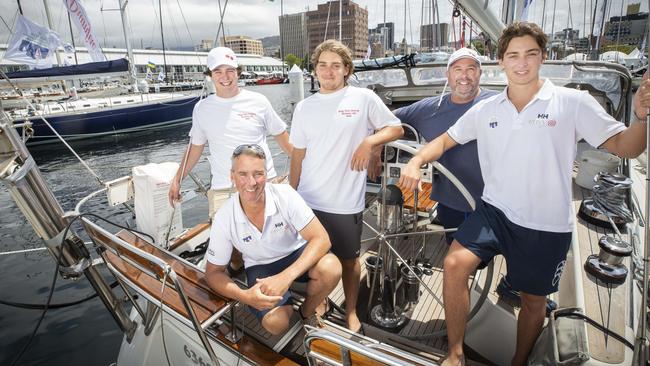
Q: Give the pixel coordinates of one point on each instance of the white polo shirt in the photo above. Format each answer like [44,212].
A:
[331,127]
[285,214]
[225,123]
[527,158]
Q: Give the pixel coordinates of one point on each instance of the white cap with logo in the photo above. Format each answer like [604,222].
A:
[464,53]
[221,56]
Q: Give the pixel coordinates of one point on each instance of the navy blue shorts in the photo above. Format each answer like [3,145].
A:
[450,218]
[271,269]
[535,259]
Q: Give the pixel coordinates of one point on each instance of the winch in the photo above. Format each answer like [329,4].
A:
[608,209]
[608,265]
[607,206]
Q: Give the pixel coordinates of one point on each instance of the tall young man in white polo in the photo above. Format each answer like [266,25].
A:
[225,120]
[333,133]
[527,139]
[281,242]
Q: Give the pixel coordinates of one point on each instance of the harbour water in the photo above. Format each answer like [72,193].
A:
[85,333]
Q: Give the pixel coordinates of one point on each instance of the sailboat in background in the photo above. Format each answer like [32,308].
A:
[73,118]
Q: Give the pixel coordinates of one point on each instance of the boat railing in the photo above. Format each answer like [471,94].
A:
[322,345]
[154,267]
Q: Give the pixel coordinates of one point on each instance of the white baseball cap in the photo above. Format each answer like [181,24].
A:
[463,53]
[221,56]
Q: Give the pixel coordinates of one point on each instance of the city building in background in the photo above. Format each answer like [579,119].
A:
[384,33]
[629,29]
[293,34]
[244,45]
[434,37]
[205,45]
[323,23]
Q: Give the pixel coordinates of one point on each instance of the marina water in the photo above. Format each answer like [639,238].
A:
[84,334]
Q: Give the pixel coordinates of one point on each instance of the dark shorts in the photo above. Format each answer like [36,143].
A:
[344,231]
[271,269]
[450,218]
[535,259]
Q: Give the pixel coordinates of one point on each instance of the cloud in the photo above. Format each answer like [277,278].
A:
[254,18]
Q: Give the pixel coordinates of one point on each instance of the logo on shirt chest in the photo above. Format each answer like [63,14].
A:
[246,115]
[542,120]
[348,112]
[247,239]
[279,225]
[492,122]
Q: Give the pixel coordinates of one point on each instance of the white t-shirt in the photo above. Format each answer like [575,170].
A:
[527,158]
[225,123]
[331,127]
[285,214]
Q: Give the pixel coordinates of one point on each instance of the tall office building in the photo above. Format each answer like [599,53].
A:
[383,33]
[293,35]
[431,37]
[323,23]
[244,45]
[629,29]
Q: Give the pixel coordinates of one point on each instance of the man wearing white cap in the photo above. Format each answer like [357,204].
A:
[431,117]
[225,120]
[229,118]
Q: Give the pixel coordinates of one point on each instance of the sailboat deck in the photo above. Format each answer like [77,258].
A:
[604,303]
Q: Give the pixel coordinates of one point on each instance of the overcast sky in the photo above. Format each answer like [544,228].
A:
[186,22]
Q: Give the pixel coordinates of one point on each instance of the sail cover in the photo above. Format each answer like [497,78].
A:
[103,67]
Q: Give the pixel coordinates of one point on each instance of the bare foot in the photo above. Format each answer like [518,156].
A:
[353,323]
[453,361]
[322,308]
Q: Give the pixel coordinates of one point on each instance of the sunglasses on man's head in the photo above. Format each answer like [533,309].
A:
[253,148]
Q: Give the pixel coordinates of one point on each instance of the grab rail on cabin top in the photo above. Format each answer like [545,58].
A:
[382,354]
[165,270]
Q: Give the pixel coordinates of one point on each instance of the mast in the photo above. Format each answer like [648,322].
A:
[434,31]
[49,25]
[641,341]
[600,30]
[76,61]
[384,31]
[281,37]
[162,36]
[341,20]
[129,52]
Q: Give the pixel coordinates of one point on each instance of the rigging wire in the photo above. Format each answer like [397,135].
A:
[49,297]
[327,22]
[48,304]
[189,34]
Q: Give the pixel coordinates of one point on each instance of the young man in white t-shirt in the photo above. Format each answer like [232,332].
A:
[333,133]
[527,139]
[225,120]
[281,242]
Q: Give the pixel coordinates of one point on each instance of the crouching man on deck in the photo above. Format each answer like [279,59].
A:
[526,139]
[280,239]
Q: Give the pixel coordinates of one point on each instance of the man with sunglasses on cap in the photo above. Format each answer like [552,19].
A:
[280,239]
[225,120]
[432,116]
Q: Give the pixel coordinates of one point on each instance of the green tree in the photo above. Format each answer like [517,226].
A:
[613,47]
[478,46]
[292,59]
